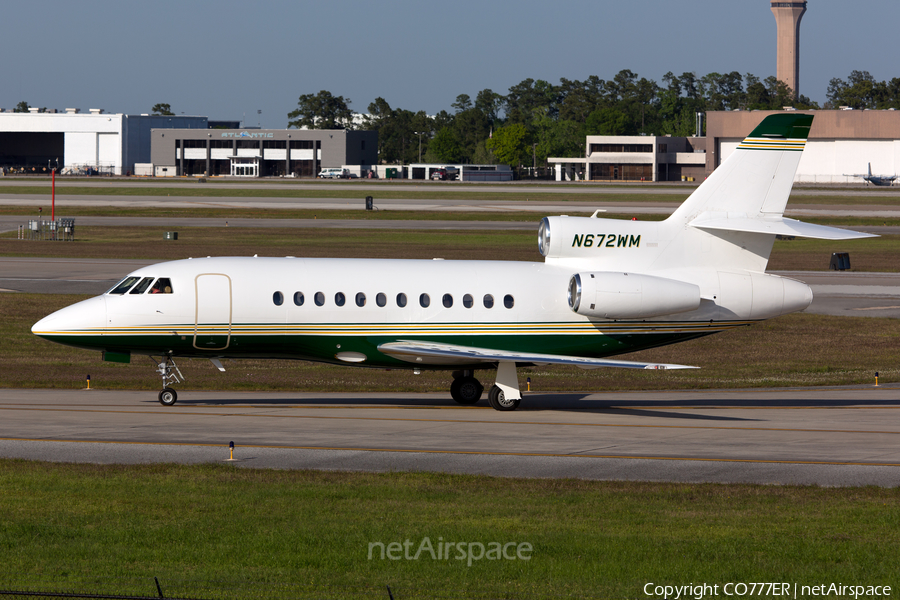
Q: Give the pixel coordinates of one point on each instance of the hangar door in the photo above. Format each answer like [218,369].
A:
[26,149]
[108,151]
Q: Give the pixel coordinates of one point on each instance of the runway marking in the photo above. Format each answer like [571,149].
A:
[461,421]
[469,452]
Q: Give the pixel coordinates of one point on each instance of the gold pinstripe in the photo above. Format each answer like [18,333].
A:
[414,329]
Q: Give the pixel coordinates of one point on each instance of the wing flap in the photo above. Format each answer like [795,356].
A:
[431,353]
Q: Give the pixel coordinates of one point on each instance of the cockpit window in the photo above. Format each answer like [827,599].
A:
[142,286]
[162,286]
[124,285]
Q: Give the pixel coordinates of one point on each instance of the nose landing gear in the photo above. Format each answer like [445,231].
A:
[171,375]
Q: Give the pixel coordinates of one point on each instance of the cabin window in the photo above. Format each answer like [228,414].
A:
[142,286]
[124,285]
[162,286]
[360,299]
[320,299]
[468,301]
[401,299]
[424,300]
[380,299]
[340,298]
[508,301]
[298,298]
[488,301]
[447,300]
[278,298]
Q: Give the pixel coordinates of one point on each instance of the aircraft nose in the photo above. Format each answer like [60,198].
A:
[85,317]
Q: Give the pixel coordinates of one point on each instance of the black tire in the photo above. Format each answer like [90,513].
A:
[499,402]
[466,390]
[168,397]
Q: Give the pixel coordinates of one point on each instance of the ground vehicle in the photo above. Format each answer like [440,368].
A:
[334,173]
[445,174]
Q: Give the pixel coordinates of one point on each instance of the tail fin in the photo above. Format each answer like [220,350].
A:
[757,178]
[749,191]
[870,169]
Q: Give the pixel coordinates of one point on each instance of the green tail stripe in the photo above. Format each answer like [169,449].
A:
[788,125]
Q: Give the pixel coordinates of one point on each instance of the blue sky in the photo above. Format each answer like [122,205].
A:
[228,59]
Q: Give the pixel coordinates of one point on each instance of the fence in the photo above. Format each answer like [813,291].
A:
[62,229]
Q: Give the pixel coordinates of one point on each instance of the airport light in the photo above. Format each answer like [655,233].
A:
[419,133]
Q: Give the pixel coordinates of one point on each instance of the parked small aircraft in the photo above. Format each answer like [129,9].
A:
[606,287]
[879,180]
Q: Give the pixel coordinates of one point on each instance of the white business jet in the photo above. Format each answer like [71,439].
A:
[606,287]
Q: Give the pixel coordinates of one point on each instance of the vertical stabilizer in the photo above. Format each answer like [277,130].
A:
[756,179]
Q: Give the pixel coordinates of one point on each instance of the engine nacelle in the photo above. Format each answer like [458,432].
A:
[613,295]
[594,238]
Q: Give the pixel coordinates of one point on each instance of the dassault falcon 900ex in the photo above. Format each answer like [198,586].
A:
[606,287]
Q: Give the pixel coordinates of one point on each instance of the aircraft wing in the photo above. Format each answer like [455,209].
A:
[432,353]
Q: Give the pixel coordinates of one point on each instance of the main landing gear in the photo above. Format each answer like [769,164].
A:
[170,376]
[465,389]
[504,395]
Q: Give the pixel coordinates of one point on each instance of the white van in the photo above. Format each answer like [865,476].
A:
[334,174]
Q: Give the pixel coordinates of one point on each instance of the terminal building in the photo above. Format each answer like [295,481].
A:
[635,158]
[76,142]
[260,152]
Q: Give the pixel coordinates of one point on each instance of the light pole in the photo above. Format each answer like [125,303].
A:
[419,133]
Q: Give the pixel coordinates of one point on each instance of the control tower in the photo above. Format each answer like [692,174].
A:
[787,17]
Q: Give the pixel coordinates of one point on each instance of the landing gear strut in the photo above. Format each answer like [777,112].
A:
[505,395]
[465,389]
[170,376]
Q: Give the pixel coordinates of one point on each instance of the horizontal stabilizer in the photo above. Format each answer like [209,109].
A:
[777,226]
[430,353]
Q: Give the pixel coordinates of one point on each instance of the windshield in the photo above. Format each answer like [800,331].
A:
[124,285]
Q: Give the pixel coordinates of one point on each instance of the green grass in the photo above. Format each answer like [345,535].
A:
[212,212]
[874,254]
[223,532]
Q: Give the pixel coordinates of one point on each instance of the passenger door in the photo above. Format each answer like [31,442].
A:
[212,314]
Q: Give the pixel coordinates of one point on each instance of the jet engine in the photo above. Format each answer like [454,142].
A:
[613,295]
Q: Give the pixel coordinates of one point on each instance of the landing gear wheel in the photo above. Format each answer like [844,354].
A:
[466,390]
[168,397]
[499,401]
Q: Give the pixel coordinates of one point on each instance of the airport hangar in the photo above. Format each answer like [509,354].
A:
[120,144]
[841,142]
[73,141]
[260,152]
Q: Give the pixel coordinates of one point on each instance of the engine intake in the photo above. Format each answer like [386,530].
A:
[613,295]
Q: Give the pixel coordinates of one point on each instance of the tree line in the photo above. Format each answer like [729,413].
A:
[536,119]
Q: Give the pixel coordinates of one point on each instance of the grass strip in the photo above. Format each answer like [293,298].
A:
[872,255]
[225,532]
[213,212]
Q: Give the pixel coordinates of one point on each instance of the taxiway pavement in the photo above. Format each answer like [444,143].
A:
[820,436]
